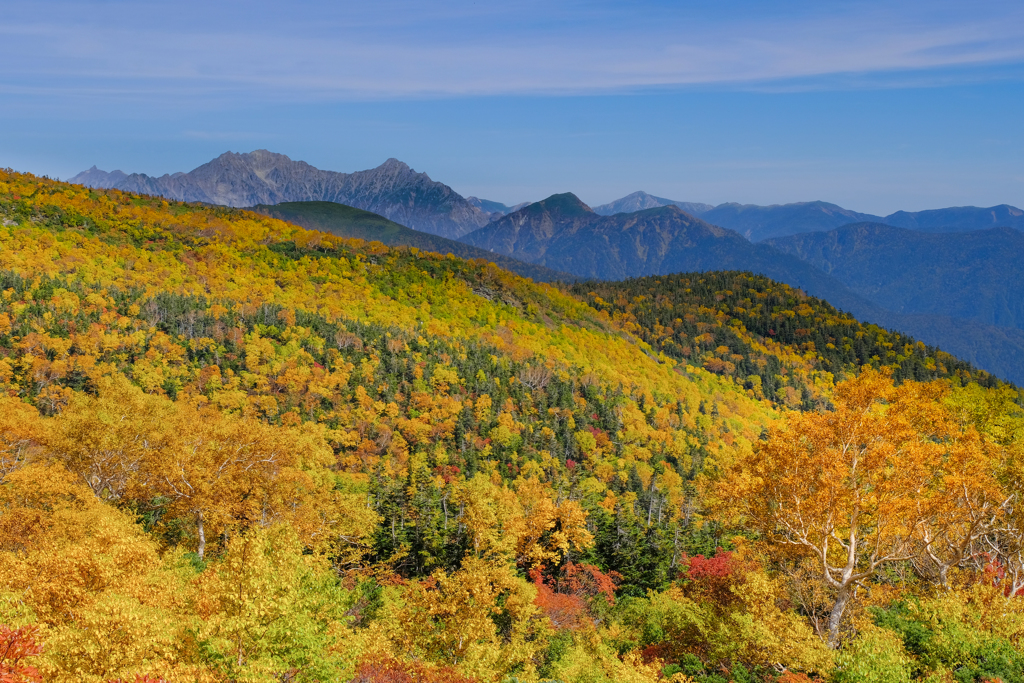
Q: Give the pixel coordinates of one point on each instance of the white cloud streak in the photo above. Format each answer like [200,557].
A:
[186,53]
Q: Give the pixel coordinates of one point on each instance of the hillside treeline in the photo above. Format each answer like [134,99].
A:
[235,450]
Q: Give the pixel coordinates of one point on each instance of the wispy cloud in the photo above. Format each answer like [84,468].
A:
[188,52]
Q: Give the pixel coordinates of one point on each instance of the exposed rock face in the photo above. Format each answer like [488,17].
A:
[638,201]
[392,189]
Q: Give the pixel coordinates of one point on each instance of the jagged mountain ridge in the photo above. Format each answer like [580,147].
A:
[393,189]
[412,199]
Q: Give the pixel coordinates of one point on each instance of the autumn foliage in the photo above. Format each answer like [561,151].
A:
[235,450]
[18,647]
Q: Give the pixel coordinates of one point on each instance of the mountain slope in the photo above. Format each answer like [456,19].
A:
[392,189]
[638,201]
[347,221]
[971,275]
[274,454]
[563,233]
[775,339]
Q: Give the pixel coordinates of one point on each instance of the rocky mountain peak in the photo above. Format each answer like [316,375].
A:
[393,165]
[392,189]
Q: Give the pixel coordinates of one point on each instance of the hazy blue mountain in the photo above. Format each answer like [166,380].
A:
[489,207]
[758,223]
[761,222]
[347,221]
[999,350]
[94,177]
[638,201]
[494,209]
[975,275]
[392,189]
[959,219]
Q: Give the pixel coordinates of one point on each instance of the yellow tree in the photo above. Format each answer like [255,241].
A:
[105,439]
[482,618]
[854,486]
[20,432]
[965,504]
[267,609]
[222,471]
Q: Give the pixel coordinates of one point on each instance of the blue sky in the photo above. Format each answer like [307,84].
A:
[876,106]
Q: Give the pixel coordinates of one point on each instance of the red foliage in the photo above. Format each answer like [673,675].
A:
[564,611]
[389,670]
[447,472]
[587,581]
[566,600]
[16,645]
[663,652]
[794,677]
[570,464]
[995,574]
[711,577]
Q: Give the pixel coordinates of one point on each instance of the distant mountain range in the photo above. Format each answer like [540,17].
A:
[563,233]
[392,189]
[758,223]
[414,200]
[347,221]
[494,209]
[950,276]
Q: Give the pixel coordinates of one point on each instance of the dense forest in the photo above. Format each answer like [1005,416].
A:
[232,449]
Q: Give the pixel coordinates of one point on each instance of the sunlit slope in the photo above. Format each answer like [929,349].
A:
[258,316]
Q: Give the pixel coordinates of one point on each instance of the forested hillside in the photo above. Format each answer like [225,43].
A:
[232,449]
[774,339]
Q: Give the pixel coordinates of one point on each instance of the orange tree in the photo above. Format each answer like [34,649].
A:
[864,484]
